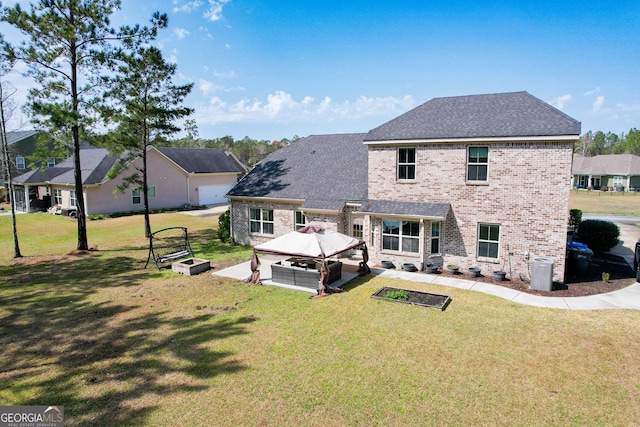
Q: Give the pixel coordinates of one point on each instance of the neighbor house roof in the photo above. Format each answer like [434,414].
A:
[201,160]
[606,164]
[325,171]
[498,115]
[15,136]
[95,164]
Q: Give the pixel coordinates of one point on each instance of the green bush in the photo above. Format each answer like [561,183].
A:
[398,294]
[599,235]
[575,218]
[224,227]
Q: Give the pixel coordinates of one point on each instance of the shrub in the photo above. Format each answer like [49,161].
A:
[599,235]
[400,295]
[224,227]
[575,218]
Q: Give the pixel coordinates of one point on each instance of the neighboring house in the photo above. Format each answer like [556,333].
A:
[22,144]
[620,172]
[176,177]
[479,180]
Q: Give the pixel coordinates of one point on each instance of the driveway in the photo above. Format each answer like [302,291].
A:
[629,234]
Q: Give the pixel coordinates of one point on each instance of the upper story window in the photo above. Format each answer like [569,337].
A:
[488,240]
[477,163]
[407,163]
[261,221]
[401,236]
[20,163]
[300,220]
[51,162]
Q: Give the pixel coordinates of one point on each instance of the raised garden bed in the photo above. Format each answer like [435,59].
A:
[406,296]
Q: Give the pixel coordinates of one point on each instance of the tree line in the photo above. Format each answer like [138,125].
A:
[596,143]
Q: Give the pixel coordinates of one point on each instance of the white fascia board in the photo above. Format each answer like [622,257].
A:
[264,200]
[476,140]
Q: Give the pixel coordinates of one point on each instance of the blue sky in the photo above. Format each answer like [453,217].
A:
[270,69]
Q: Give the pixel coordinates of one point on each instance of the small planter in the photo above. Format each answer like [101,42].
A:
[406,296]
[431,268]
[386,264]
[409,267]
[453,269]
[499,275]
[474,271]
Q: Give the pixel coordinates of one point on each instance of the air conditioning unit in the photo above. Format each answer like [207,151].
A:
[542,274]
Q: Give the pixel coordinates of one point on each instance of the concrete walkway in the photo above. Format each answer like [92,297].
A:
[627,298]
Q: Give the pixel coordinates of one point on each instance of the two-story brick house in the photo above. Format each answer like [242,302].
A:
[479,180]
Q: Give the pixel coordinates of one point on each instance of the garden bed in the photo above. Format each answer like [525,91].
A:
[406,296]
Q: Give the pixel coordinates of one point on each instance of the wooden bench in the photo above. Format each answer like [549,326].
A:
[168,244]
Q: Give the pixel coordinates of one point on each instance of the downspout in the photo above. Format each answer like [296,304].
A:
[189,188]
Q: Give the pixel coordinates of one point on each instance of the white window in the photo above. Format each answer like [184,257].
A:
[57,195]
[73,200]
[407,163]
[261,221]
[135,194]
[300,220]
[435,237]
[617,181]
[488,240]
[477,163]
[401,236]
[20,163]
[357,228]
[51,162]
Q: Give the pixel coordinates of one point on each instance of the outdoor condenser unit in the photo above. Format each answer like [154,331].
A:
[542,274]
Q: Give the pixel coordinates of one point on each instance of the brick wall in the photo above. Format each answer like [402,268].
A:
[526,194]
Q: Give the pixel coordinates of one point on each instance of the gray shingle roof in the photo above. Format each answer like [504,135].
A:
[514,114]
[14,136]
[415,209]
[325,170]
[201,160]
[95,163]
[606,164]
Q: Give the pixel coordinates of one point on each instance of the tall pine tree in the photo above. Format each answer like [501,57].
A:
[69,43]
[144,104]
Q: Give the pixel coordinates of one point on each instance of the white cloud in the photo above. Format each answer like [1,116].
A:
[188,7]
[281,107]
[206,86]
[560,101]
[597,104]
[215,9]
[595,91]
[180,33]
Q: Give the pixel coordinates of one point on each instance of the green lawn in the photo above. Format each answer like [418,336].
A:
[618,203]
[120,345]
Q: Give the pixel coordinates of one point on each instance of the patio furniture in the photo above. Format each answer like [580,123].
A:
[168,244]
[305,274]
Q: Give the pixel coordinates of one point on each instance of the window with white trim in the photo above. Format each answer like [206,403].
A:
[617,181]
[21,163]
[57,196]
[261,221]
[435,237]
[135,196]
[477,163]
[51,162]
[73,200]
[406,163]
[401,236]
[300,220]
[357,228]
[489,240]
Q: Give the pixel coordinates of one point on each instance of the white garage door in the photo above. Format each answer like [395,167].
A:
[213,194]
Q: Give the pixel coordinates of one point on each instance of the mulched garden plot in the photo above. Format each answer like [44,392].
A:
[422,299]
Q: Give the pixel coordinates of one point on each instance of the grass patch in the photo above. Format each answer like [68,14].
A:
[120,345]
[605,202]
